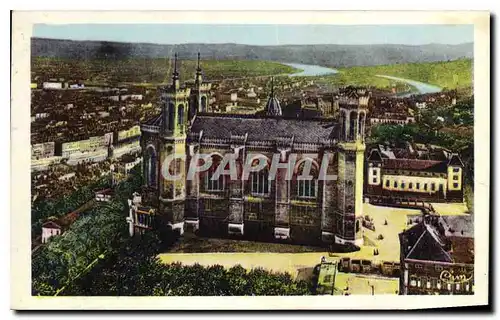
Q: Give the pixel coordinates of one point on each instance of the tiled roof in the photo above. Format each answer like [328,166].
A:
[462,249]
[415,164]
[51,225]
[432,240]
[264,128]
[428,249]
[155,121]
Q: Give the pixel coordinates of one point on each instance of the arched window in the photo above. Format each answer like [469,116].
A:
[180,115]
[171,116]
[150,167]
[352,125]
[180,118]
[361,125]
[342,125]
[193,107]
[259,181]
[203,104]
[218,184]
[307,188]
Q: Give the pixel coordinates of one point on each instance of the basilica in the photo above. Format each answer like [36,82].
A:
[311,211]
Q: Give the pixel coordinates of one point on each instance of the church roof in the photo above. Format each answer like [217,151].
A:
[154,121]
[446,239]
[263,128]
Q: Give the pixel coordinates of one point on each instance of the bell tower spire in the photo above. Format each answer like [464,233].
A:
[199,78]
[175,74]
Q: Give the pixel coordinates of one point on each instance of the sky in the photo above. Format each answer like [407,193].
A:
[260,34]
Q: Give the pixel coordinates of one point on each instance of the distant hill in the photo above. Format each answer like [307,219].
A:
[325,54]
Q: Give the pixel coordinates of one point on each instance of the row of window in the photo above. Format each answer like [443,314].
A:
[416,173]
[411,185]
[438,268]
[438,284]
[260,185]
[412,173]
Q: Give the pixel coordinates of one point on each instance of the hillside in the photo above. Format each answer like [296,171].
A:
[447,74]
[327,55]
[149,70]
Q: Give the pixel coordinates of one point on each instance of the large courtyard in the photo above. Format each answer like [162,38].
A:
[295,259]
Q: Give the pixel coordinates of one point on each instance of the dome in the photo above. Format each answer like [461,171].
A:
[273,107]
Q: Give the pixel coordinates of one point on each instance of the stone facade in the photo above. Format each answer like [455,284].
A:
[252,205]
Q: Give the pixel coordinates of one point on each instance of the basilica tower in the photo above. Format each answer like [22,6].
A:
[173,133]
[200,94]
[349,211]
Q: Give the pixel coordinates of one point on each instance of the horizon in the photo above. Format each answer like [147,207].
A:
[257,45]
[260,35]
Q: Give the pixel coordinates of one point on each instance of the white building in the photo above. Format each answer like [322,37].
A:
[50,229]
[52,85]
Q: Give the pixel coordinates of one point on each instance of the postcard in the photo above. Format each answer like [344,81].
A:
[250,160]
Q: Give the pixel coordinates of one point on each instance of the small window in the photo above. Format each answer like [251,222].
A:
[387,183]
[457,287]
[428,284]
[438,284]
[467,287]
[455,177]
[449,286]
[395,184]
[374,180]
[410,186]
[455,185]
[306,188]
[456,169]
[439,268]
[418,185]
[374,172]
[433,187]
[425,186]
[403,185]
[419,266]
[413,282]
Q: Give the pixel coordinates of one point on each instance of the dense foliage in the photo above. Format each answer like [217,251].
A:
[97,257]
[88,239]
[135,271]
[41,209]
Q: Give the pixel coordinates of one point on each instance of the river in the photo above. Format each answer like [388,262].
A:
[422,87]
[309,70]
